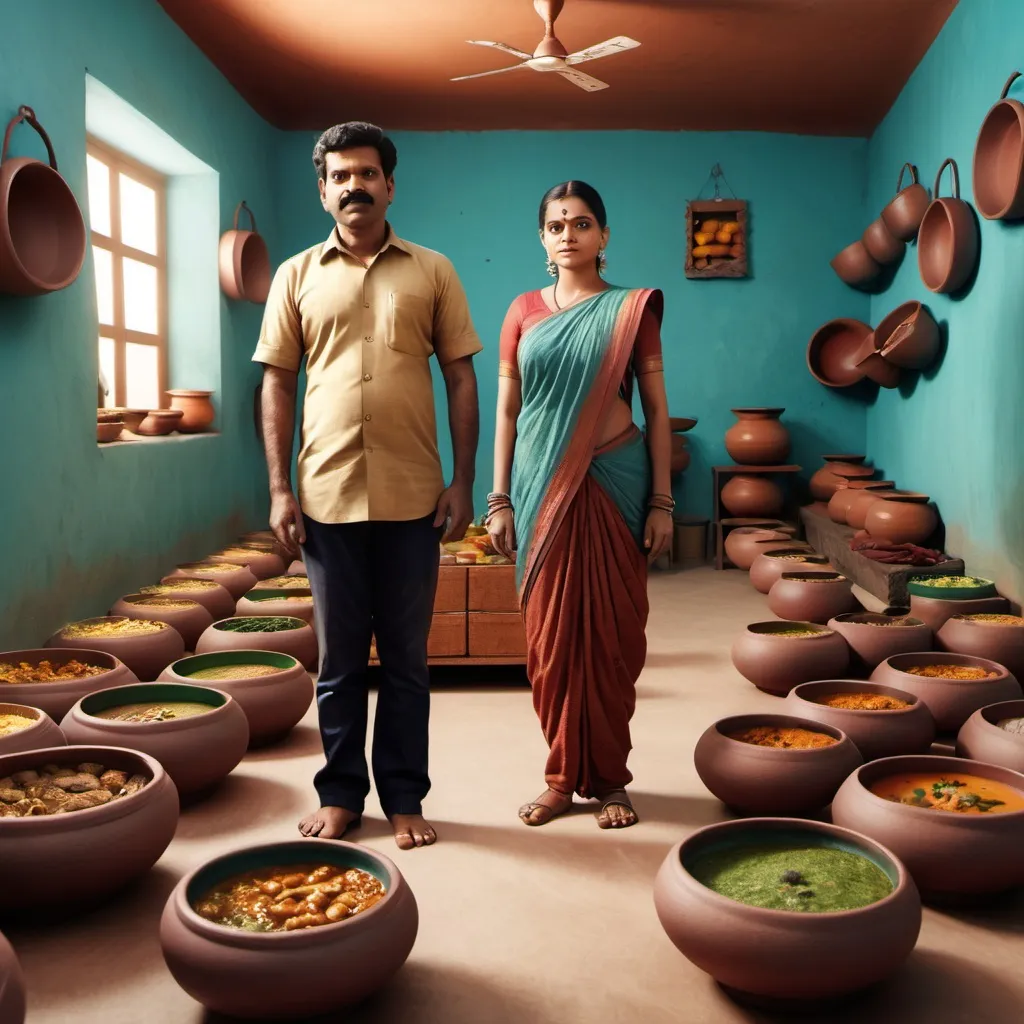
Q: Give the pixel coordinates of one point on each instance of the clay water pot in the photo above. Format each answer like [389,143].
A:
[842,497]
[680,458]
[12,985]
[875,734]
[903,518]
[753,779]
[811,596]
[833,351]
[110,845]
[288,975]
[744,543]
[262,564]
[757,438]
[244,261]
[58,697]
[146,654]
[1002,642]
[873,638]
[951,701]
[196,407]
[273,703]
[837,469]
[947,244]
[42,232]
[860,499]
[770,565]
[298,641]
[43,732]
[197,752]
[950,856]
[186,615]
[908,337]
[215,598]
[751,951]
[981,739]
[882,246]
[935,611]
[999,159]
[234,577]
[747,495]
[286,602]
[776,663]
[855,266]
[905,211]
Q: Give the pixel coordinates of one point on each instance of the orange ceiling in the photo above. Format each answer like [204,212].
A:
[824,67]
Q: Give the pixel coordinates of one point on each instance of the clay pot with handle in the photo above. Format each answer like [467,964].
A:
[998,175]
[904,212]
[908,337]
[882,245]
[947,243]
[855,266]
[244,261]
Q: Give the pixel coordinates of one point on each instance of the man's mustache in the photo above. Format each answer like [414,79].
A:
[355,197]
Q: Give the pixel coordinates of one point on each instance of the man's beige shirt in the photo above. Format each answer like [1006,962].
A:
[369,434]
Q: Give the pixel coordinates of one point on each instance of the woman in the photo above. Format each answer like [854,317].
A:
[581,500]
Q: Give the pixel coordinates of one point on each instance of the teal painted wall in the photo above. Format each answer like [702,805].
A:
[474,197]
[957,431]
[81,524]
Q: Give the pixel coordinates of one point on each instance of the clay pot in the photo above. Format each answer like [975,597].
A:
[158,422]
[277,602]
[235,578]
[905,211]
[999,159]
[272,546]
[197,752]
[837,469]
[855,266]
[189,622]
[811,596]
[842,497]
[680,458]
[44,732]
[297,568]
[42,232]
[107,432]
[752,951]
[874,733]
[757,438]
[833,349]
[767,780]
[1001,643]
[947,244]
[51,856]
[770,565]
[132,418]
[299,642]
[951,701]
[908,337]
[981,739]
[216,599]
[273,704]
[776,663]
[264,535]
[146,655]
[903,518]
[949,855]
[874,366]
[747,495]
[288,975]
[244,261]
[262,564]
[744,543]
[12,985]
[860,499]
[197,410]
[57,698]
[935,611]
[681,424]
[872,644]
[882,246]
[301,581]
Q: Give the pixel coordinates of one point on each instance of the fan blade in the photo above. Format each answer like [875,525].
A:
[605,49]
[587,82]
[521,54]
[483,74]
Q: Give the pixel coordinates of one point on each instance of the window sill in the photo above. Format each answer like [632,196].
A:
[129,440]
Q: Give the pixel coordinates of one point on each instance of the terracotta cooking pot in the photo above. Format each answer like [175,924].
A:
[244,261]
[902,518]
[146,654]
[936,610]
[262,564]
[947,244]
[12,985]
[981,739]
[811,596]
[860,499]
[873,638]
[43,732]
[833,351]
[42,231]
[196,407]
[1002,642]
[836,469]
[999,159]
[770,565]
[882,246]
[752,950]
[875,366]
[904,212]
[299,641]
[107,432]
[216,599]
[748,495]
[855,266]
[158,422]
[234,577]
[908,337]
[745,543]
[757,438]
[268,601]
[185,614]
[839,503]
[776,663]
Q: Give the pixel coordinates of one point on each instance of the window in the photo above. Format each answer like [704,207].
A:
[127,218]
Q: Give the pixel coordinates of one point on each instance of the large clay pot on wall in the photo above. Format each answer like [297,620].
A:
[836,470]
[757,438]
[749,495]
[902,519]
[905,211]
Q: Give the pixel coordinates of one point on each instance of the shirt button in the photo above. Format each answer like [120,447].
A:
[368,338]
[366,305]
[367,376]
[369,451]
[367,417]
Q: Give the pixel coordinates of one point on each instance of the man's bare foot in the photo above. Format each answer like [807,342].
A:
[550,804]
[329,823]
[412,830]
[616,810]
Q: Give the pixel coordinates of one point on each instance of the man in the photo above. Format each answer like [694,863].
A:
[367,310]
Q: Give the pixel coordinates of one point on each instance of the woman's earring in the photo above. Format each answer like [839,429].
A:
[552,269]
[602,261]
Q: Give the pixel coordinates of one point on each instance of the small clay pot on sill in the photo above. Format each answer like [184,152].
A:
[132,418]
[905,211]
[196,408]
[107,432]
[158,422]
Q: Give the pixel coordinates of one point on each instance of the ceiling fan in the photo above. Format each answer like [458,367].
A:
[551,55]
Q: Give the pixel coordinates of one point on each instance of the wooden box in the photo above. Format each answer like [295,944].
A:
[496,634]
[451,589]
[447,635]
[492,588]
[730,263]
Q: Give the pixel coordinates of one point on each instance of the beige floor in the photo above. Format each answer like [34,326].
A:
[525,926]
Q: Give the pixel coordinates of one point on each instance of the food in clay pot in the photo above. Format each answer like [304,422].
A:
[811,596]
[261,564]
[290,601]
[286,582]
[770,565]
[27,728]
[841,501]
[744,543]
[775,656]
[873,638]
[283,634]
[188,617]
[993,635]
[234,577]
[217,600]
[994,734]
[145,646]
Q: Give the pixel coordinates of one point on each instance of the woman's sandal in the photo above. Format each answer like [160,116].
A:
[616,798]
[555,804]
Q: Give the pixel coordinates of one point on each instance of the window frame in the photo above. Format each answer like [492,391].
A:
[118,162]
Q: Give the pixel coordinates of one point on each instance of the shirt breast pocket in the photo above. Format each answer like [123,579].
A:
[411,324]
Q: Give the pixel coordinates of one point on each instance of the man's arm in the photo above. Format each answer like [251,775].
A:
[277,408]
[456,504]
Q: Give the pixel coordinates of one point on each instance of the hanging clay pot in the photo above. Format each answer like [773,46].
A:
[197,410]
[882,246]
[947,244]
[904,518]
[244,261]
[908,337]
[826,479]
[833,350]
[811,596]
[839,503]
[860,499]
[770,565]
[999,159]
[757,438]
[749,495]
[875,366]
[904,212]
[855,266]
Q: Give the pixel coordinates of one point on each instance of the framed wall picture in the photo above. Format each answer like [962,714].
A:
[716,238]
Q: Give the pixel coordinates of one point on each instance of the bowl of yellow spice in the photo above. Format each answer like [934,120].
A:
[27,728]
